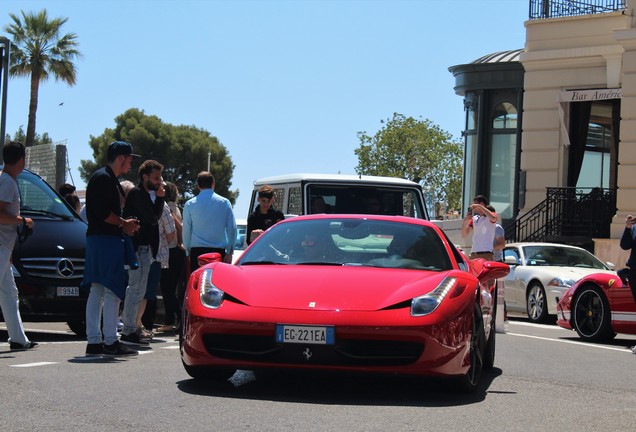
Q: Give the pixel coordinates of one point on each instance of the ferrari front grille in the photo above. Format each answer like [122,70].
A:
[345,352]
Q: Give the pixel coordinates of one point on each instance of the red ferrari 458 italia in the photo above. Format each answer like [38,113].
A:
[597,307]
[376,294]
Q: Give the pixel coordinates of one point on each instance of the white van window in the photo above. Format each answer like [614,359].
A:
[279,199]
[295,204]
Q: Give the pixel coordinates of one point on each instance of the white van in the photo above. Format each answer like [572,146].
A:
[345,194]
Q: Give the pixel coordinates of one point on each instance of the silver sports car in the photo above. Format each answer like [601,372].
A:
[540,273]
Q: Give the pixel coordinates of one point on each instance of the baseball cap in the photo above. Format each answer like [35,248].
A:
[117,148]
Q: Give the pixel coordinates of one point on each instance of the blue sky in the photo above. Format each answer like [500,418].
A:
[284,85]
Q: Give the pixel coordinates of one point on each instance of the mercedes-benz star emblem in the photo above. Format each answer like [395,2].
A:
[65,268]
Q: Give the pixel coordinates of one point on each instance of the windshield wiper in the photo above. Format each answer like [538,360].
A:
[29,210]
[320,263]
[262,262]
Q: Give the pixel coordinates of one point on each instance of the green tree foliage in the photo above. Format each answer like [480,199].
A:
[182,150]
[39,51]
[417,150]
[20,136]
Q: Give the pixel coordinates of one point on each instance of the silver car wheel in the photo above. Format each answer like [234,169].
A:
[536,303]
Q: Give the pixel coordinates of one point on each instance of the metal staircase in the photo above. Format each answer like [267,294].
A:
[567,215]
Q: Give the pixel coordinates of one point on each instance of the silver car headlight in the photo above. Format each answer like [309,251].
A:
[210,296]
[561,282]
[427,303]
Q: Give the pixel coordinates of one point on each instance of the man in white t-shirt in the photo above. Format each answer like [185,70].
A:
[482,223]
[13,154]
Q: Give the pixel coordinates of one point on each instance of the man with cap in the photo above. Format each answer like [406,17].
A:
[104,268]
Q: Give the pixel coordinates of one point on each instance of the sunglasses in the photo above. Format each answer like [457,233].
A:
[308,243]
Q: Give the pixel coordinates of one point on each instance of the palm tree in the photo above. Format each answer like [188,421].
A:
[38,51]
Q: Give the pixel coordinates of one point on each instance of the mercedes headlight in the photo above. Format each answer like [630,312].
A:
[427,303]
[210,296]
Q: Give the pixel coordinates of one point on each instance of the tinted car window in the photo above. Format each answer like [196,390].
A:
[37,196]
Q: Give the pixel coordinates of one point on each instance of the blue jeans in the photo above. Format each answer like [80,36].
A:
[137,283]
[101,302]
[9,299]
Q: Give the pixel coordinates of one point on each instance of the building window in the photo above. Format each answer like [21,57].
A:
[503,158]
[471,159]
[593,144]
[505,116]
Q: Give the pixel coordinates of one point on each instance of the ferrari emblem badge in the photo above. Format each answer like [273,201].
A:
[307,353]
[610,282]
[312,304]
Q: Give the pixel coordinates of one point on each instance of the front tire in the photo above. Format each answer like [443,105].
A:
[470,380]
[489,352]
[77,326]
[537,303]
[591,316]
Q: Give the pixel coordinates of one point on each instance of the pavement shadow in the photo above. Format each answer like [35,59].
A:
[341,389]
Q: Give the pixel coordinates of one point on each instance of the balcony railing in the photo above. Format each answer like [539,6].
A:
[540,9]
[567,212]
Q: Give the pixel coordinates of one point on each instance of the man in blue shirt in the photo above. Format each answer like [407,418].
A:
[208,223]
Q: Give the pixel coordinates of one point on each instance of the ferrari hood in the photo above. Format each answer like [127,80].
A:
[318,287]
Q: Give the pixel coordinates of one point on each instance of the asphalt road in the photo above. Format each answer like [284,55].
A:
[544,379]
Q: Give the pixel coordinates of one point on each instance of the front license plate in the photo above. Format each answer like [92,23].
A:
[305,334]
[68,291]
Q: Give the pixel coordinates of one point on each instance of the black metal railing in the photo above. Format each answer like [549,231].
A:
[567,212]
[563,8]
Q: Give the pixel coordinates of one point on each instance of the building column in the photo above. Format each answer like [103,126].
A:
[626,179]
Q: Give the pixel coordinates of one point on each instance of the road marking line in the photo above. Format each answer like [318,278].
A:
[34,364]
[528,324]
[586,344]
[172,347]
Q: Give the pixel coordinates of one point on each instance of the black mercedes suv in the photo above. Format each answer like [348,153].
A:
[48,264]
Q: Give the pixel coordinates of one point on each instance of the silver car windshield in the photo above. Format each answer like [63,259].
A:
[561,256]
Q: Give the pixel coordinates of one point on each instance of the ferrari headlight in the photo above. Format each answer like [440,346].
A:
[424,305]
[210,296]
[561,282]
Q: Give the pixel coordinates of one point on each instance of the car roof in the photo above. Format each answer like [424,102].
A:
[298,177]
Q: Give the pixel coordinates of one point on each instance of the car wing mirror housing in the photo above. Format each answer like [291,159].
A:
[510,260]
[493,270]
[209,258]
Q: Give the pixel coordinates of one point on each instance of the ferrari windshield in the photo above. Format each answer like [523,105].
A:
[561,256]
[356,242]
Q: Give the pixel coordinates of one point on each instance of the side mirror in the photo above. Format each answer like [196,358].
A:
[209,258]
[610,265]
[493,270]
[510,260]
